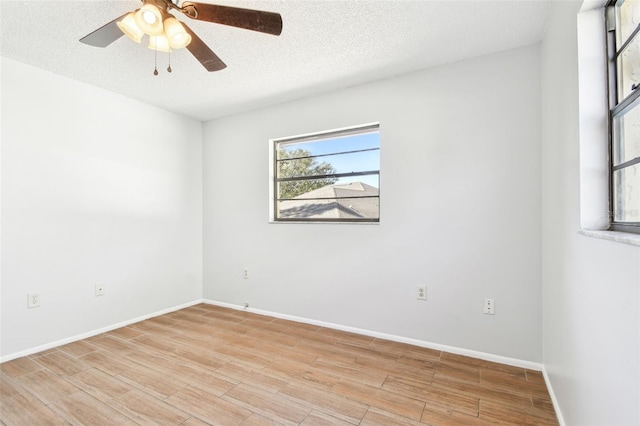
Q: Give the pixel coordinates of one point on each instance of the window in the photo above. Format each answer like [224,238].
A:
[623,19]
[331,176]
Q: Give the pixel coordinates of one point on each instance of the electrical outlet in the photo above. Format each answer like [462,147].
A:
[422,292]
[33,300]
[245,273]
[489,307]
[100,289]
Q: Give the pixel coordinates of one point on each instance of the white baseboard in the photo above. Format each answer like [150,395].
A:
[92,333]
[425,344]
[552,394]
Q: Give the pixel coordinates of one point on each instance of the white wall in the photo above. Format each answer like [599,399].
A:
[460,210]
[591,331]
[95,188]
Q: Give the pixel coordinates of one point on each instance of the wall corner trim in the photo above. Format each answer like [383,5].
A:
[92,333]
[452,349]
[552,394]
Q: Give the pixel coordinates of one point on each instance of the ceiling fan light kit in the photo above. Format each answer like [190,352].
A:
[159,43]
[149,19]
[166,32]
[129,28]
[176,35]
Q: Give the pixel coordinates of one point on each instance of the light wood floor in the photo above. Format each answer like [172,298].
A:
[211,365]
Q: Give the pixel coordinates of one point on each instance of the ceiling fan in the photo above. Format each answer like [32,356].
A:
[166,32]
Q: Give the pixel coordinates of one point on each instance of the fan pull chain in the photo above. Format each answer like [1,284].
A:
[155,57]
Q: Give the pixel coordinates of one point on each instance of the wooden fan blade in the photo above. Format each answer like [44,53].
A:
[202,53]
[255,20]
[105,35]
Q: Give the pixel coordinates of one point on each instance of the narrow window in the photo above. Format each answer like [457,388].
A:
[331,176]
[623,18]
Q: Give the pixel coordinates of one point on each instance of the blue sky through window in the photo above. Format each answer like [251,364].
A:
[346,163]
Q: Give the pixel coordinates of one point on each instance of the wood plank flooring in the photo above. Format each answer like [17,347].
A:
[211,365]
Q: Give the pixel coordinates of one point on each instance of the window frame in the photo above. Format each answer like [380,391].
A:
[319,136]
[618,108]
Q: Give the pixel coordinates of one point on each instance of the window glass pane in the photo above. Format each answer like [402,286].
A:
[330,145]
[626,194]
[629,68]
[629,16]
[626,142]
[353,186]
[330,164]
[333,208]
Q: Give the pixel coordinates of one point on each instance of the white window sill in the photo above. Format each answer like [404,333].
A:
[620,237]
[313,222]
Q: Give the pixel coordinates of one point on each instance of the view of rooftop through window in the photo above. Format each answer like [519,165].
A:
[332,176]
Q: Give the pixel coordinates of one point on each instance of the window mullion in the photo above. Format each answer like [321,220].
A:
[626,164]
[626,104]
[328,155]
[328,176]
[328,198]
[627,41]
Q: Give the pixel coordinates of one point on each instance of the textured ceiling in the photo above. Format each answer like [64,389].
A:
[325,45]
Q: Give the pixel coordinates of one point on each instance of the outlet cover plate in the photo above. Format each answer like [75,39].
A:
[33,300]
[421,292]
[489,307]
